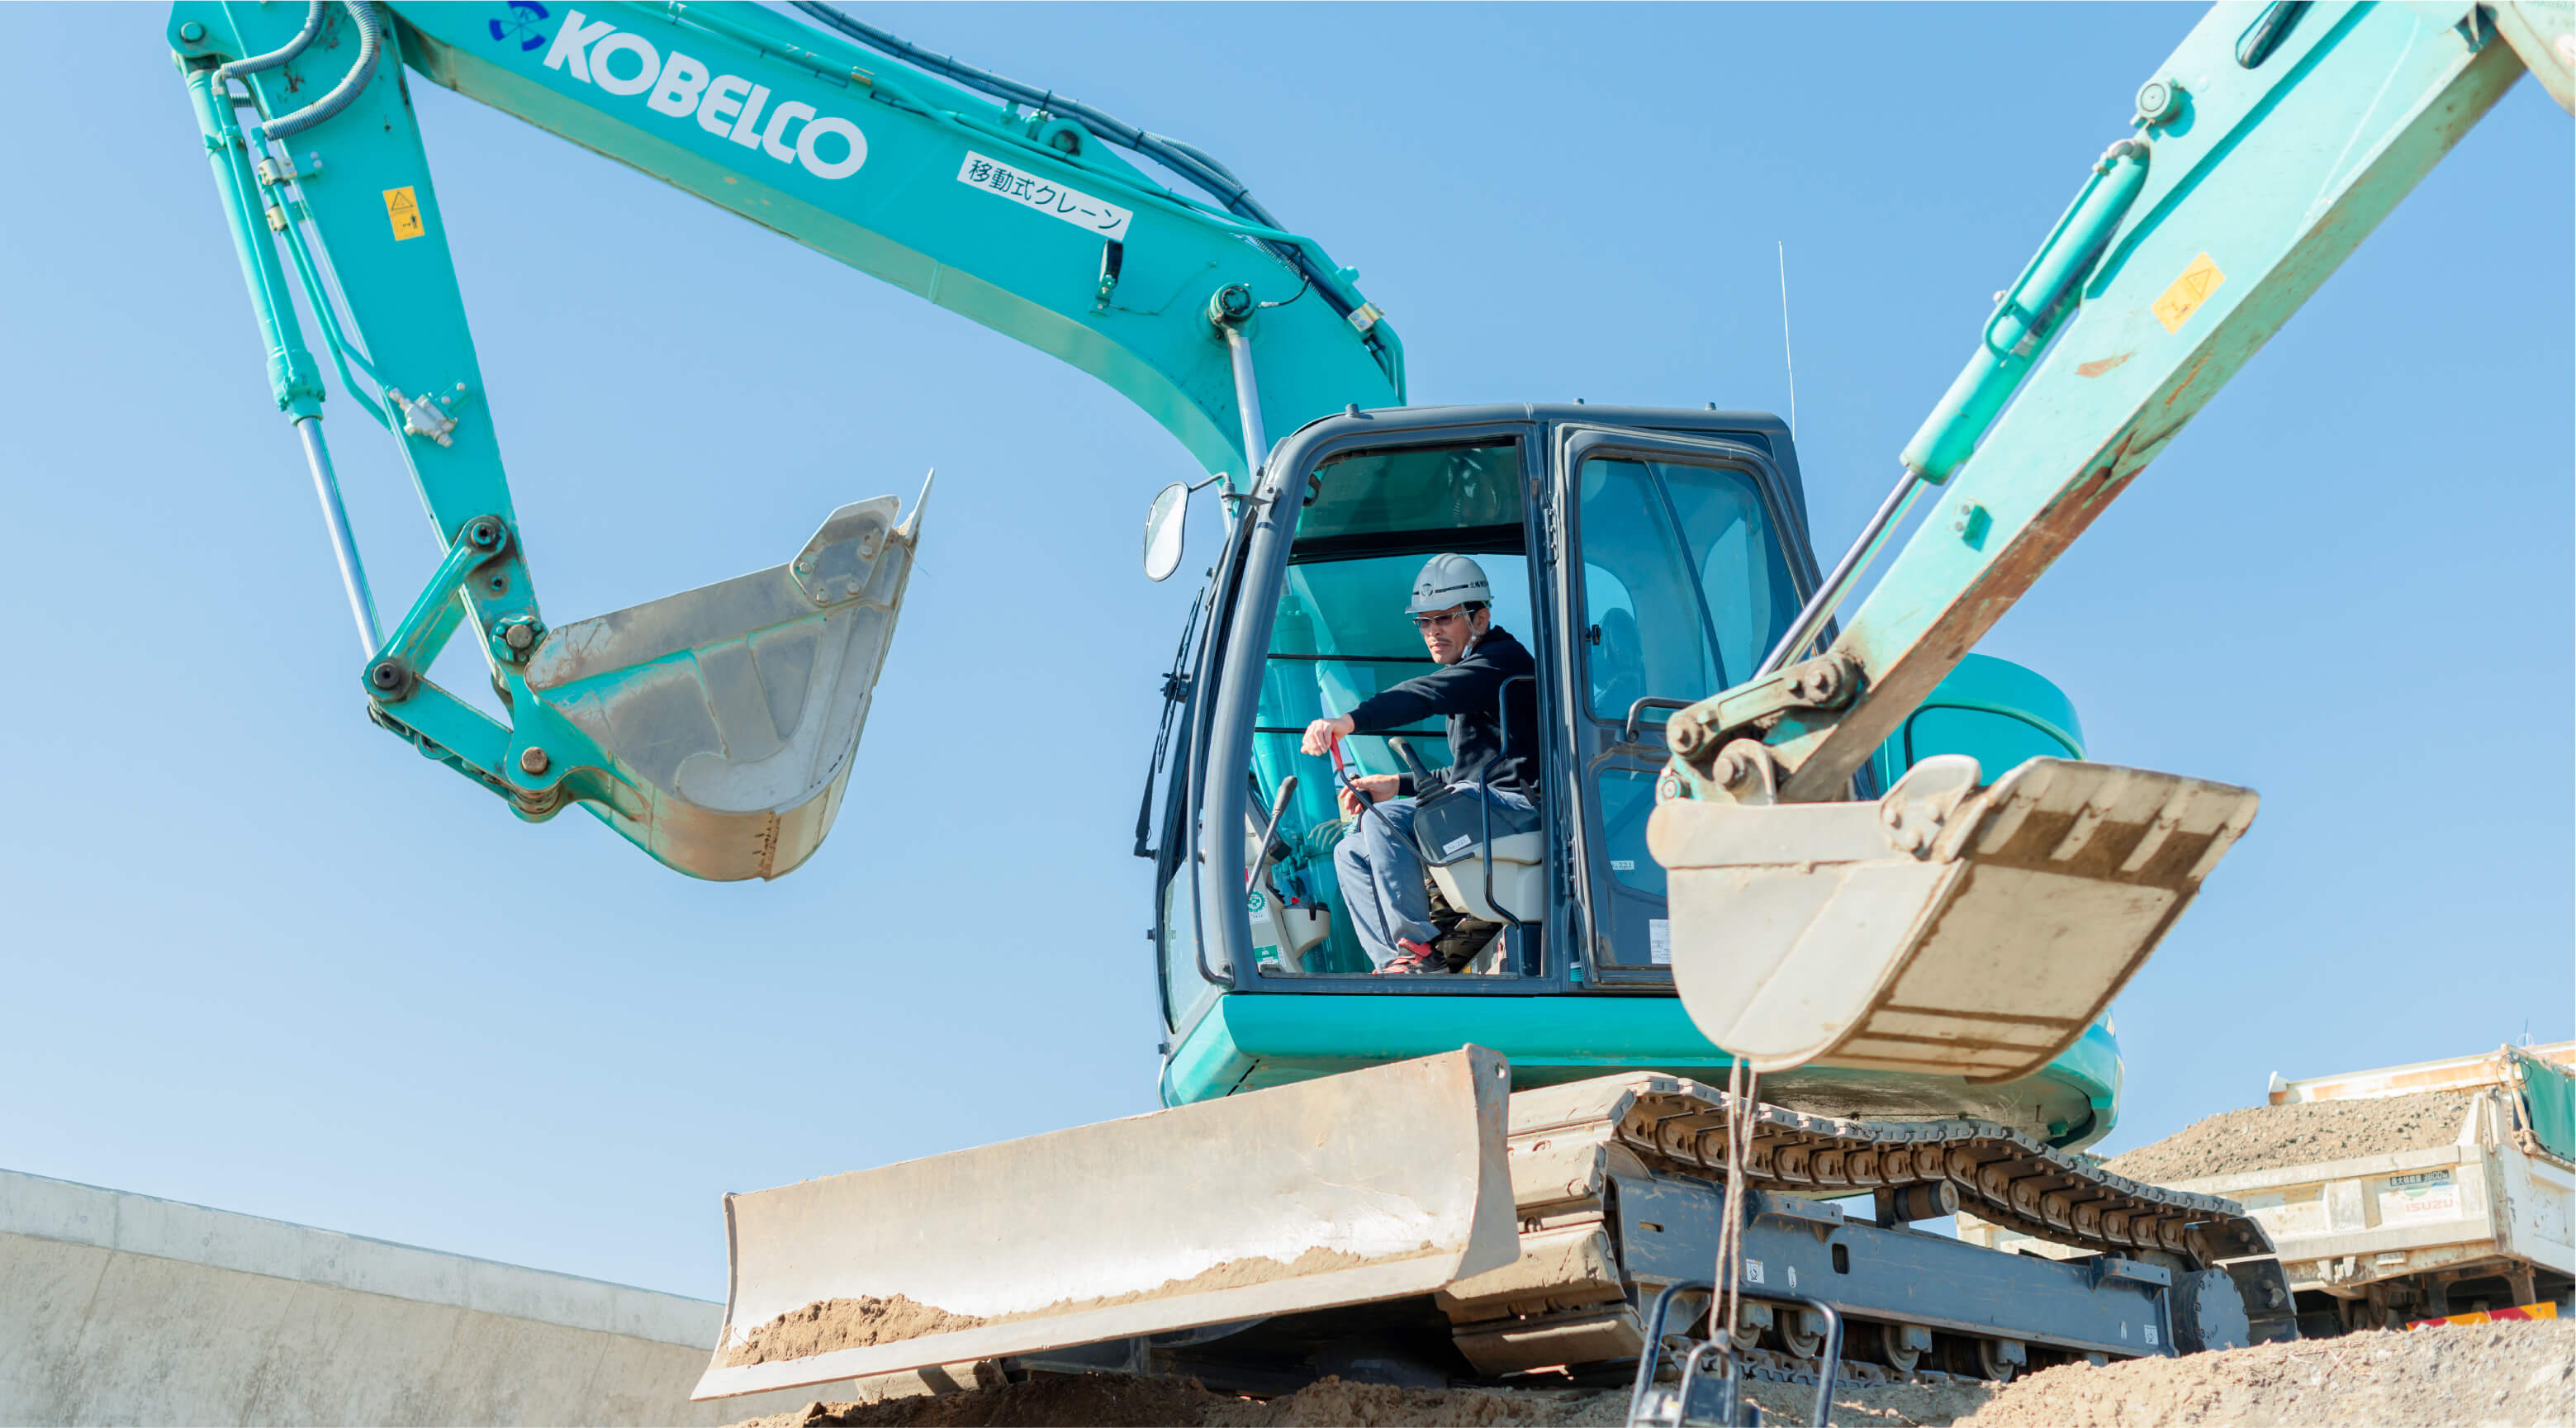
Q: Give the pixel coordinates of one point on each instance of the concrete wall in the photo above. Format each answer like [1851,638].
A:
[118,1308]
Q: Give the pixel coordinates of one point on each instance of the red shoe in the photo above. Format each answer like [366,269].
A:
[1413,958]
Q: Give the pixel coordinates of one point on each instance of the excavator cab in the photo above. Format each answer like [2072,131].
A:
[1644,557]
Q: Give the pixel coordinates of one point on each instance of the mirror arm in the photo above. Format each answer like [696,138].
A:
[1178,519]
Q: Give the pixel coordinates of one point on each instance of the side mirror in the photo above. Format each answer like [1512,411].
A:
[1165,521]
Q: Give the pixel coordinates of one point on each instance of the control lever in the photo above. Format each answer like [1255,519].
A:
[1412,761]
[1269,830]
[1342,779]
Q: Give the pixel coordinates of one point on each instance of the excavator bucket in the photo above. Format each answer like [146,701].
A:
[1344,1190]
[734,709]
[1950,928]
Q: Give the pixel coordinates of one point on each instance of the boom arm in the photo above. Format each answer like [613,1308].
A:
[2268,146]
[1975,921]
[714,728]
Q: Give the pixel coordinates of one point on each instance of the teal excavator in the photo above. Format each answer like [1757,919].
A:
[1839,861]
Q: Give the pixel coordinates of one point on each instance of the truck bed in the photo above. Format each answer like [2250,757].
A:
[2486,1222]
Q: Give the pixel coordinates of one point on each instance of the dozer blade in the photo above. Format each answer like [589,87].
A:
[734,709]
[1352,1188]
[1947,928]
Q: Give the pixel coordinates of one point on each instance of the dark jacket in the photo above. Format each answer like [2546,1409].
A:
[1465,692]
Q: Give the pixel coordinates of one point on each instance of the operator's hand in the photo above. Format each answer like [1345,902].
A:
[1377,787]
[1321,734]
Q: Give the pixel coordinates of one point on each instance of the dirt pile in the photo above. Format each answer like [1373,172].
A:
[1105,1402]
[2269,1137]
[2463,1375]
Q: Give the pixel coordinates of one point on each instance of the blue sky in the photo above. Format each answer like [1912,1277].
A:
[262,957]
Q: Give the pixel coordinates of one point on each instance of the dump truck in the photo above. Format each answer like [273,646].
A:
[2377,1238]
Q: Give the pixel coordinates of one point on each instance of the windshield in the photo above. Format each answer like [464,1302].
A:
[1422,491]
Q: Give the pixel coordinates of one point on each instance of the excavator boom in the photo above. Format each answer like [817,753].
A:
[716,728]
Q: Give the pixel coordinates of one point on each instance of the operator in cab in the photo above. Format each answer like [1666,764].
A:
[1381,871]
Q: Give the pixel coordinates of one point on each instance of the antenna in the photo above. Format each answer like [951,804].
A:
[1787,358]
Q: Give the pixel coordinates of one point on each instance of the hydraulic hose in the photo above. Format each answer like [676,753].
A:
[370,45]
[1181,158]
[274,58]
[1186,160]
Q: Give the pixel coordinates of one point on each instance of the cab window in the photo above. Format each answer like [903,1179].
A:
[1342,634]
[1685,587]
[1684,582]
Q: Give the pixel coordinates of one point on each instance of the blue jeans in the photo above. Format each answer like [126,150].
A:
[1381,874]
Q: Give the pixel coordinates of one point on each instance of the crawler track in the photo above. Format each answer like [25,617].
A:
[1573,1149]
[2000,1174]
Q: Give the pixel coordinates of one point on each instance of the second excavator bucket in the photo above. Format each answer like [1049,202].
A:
[1344,1190]
[734,709]
[1949,928]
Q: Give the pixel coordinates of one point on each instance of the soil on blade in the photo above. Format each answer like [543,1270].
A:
[867,1320]
[844,1324]
[2270,1137]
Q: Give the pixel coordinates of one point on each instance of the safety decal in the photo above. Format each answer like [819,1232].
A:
[1659,941]
[1080,209]
[2188,292]
[402,207]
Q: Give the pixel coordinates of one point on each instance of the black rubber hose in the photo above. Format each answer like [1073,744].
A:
[1181,158]
[1186,160]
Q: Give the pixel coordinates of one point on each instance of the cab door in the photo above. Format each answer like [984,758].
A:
[1681,571]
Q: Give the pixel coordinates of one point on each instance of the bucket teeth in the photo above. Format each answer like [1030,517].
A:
[1947,929]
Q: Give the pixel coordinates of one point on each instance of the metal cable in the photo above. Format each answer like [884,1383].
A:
[1725,1310]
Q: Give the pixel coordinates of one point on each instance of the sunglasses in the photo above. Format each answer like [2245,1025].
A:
[1424,622]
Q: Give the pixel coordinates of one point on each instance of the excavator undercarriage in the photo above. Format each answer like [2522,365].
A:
[1616,1190]
[1618,1182]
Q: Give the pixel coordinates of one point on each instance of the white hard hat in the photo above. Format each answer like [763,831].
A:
[1449,581]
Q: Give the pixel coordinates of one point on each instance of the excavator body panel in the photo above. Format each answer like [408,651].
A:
[1248,1042]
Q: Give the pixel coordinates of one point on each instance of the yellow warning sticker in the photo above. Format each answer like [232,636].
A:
[403,207]
[2188,292]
